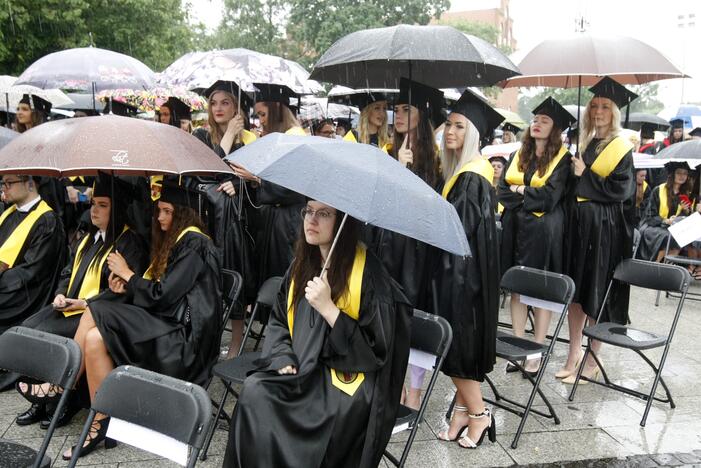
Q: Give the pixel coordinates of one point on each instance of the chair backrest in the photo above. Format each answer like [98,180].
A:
[232,283]
[267,294]
[539,284]
[40,355]
[166,405]
[653,275]
[430,333]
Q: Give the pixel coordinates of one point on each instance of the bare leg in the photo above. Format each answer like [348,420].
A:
[542,323]
[236,338]
[98,363]
[519,315]
[575,320]
[86,324]
[460,418]
[416,380]
[471,394]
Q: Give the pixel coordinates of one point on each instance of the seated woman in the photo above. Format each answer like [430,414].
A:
[84,277]
[327,389]
[667,202]
[172,315]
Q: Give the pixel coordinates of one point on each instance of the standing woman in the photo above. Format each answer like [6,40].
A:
[533,191]
[468,287]
[174,112]
[232,224]
[601,231]
[372,125]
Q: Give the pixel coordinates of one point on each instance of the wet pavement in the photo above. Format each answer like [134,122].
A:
[600,427]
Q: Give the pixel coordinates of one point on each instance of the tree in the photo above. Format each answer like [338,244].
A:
[253,24]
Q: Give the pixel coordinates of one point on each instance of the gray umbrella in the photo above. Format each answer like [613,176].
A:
[6,136]
[359,180]
[637,119]
[686,151]
[439,56]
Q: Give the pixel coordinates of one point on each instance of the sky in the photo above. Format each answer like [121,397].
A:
[672,27]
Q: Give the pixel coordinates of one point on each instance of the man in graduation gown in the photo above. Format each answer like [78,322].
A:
[32,251]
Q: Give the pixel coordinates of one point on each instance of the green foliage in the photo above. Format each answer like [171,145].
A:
[485,31]
[252,24]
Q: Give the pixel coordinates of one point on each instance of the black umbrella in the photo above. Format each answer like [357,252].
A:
[637,119]
[438,56]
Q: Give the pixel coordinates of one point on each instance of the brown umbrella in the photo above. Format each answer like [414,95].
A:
[118,145]
[583,59]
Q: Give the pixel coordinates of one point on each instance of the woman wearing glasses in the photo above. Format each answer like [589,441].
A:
[328,383]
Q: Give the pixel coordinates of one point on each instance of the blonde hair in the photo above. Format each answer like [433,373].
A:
[364,124]
[280,118]
[215,132]
[588,130]
[451,161]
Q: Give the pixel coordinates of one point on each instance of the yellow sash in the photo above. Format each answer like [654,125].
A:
[12,246]
[609,158]
[664,208]
[247,137]
[349,304]
[645,186]
[500,208]
[78,178]
[299,131]
[156,182]
[350,137]
[147,274]
[479,165]
[515,177]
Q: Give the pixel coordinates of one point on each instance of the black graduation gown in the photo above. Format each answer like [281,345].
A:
[169,326]
[468,287]
[130,246]
[527,239]
[640,211]
[231,228]
[600,235]
[302,420]
[653,232]
[29,285]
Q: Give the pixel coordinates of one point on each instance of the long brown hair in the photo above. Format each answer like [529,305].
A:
[307,261]
[280,118]
[423,145]
[163,242]
[38,118]
[527,155]
[215,132]
[684,189]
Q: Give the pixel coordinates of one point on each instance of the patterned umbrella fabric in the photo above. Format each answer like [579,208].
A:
[12,95]
[152,99]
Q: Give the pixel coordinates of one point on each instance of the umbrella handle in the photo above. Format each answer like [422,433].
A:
[333,245]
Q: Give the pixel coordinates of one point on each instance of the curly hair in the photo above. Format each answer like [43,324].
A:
[527,155]
[163,241]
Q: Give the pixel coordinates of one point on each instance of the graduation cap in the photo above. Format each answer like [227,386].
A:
[550,107]
[231,88]
[362,100]
[120,108]
[509,127]
[479,112]
[674,165]
[343,122]
[676,123]
[613,90]
[36,103]
[268,92]
[695,132]
[647,130]
[178,110]
[423,97]
[106,185]
[179,195]
[497,158]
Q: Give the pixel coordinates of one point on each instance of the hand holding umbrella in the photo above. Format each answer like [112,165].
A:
[578,165]
[405,155]
[318,294]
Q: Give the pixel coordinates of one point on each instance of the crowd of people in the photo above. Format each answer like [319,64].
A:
[132,272]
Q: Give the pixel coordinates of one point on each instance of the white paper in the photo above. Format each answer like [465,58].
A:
[533,356]
[687,230]
[400,428]
[541,304]
[422,359]
[149,440]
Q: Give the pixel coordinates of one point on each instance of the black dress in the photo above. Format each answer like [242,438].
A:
[30,283]
[303,419]
[130,246]
[528,239]
[653,232]
[600,233]
[468,287]
[170,326]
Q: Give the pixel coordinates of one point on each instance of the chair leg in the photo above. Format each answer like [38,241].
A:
[579,371]
[212,427]
[247,331]
[657,299]
[658,377]
[449,413]
[52,427]
[81,439]
[260,337]
[497,396]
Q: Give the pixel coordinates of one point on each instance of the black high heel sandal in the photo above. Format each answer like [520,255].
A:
[42,396]
[490,430]
[443,435]
[100,427]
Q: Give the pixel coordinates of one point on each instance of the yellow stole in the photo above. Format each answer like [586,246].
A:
[78,178]
[12,246]
[609,158]
[664,208]
[645,186]
[299,131]
[515,177]
[247,137]
[349,304]
[479,165]
[91,281]
[387,147]
[147,274]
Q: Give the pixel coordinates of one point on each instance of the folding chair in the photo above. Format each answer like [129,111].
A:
[232,283]
[648,275]
[46,358]
[140,400]
[682,261]
[539,288]
[431,336]
[233,371]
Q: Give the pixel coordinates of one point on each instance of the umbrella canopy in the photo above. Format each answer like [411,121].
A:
[12,95]
[504,150]
[686,151]
[119,145]
[439,56]
[78,69]
[82,101]
[242,66]
[637,119]
[152,99]
[359,180]
[6,136]
[315,108]
[559,63]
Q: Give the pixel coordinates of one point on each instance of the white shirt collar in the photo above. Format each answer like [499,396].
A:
[28,206]
[100,235]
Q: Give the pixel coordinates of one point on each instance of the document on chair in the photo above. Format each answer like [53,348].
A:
[687,230]
[421,359]
[147,439]
[541,304]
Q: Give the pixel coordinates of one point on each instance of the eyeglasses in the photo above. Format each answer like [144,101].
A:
[8,184]
[309,214]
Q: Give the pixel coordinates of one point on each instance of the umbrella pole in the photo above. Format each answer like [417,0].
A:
[7,108]
[408,129]
[333,246]
[579,106]
[94,107]
[112,227]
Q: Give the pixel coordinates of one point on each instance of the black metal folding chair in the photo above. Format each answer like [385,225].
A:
[648,275]
[232,283]
[545,289]
[265,299]
[46,358]
[432,335]
[171,407]
[680,260]
[233,371]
